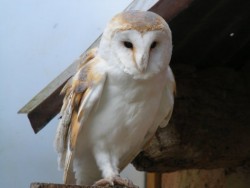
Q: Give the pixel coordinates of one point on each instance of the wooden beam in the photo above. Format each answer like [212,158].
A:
[216,178]
[153,180]
[47,103]
[195,178]
[168,9]
[52,185]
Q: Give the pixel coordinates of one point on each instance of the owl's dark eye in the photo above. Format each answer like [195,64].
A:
[128,44]
[153,45]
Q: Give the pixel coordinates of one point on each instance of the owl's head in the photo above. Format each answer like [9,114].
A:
[138,42]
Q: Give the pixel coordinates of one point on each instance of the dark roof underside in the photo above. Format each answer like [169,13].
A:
[212,33]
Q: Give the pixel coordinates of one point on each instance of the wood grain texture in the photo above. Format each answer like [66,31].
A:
[194,179]
[52,185]
[200,178]
[210,126]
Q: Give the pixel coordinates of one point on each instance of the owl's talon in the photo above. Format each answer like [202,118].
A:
[117,180]
[105,182]
[124,182]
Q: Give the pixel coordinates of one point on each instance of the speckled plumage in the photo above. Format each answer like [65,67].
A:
[123,91]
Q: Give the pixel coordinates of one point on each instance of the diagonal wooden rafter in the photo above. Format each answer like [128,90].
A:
[47,103]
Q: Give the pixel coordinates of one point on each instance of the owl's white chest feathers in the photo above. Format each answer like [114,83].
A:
[125,114]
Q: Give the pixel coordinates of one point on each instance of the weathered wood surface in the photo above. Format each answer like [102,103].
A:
[153,180]
[52,185]
[210,126]
[216,178]
[195,179]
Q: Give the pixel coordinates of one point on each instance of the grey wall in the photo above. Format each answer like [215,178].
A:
[38,40]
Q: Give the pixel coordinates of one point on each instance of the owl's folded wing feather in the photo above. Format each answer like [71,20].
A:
[82,93]
[168,99]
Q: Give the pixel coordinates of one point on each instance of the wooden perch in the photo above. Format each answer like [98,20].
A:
[52,185]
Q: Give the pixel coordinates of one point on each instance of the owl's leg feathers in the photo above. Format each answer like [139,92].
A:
[116,180]
[108,166]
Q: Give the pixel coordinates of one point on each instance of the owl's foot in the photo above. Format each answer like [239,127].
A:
[117,180]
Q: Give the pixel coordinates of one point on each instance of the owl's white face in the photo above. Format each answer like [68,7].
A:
[141,52]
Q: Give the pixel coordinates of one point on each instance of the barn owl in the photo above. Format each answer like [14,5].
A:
[122,92]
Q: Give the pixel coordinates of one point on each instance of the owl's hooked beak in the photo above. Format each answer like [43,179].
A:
[142,62]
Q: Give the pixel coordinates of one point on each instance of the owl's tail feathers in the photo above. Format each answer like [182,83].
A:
[69,174]
[65,157]
[65,162]
[60,144]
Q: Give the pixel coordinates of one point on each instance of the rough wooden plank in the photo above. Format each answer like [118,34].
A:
[169,9]
[216,178]
[195,178]
[210,126]
[52,185]
[142,5]
[44,112]
[153,180]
